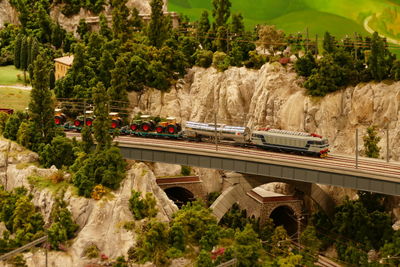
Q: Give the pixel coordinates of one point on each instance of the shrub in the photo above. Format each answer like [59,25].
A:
[204,58]
[3,120]
[59,153]
[12,126]
[98,192]
[57,177]
[142,207]
[186,170]
[255,60]
[91,251]
[221,61]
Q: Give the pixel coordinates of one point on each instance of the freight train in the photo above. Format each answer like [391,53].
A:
[156,127]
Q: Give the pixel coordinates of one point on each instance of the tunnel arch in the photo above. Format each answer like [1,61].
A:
[285,216]
[179,195]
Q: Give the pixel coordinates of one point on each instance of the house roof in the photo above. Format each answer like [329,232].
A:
[67,60]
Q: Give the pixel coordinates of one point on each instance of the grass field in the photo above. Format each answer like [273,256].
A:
[8,75]
[340,17]
[16,99]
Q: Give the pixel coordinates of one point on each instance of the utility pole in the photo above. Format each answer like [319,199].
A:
[308,39]
[316,45]
[356,148]
[355,45]
[216,135]
[387,143]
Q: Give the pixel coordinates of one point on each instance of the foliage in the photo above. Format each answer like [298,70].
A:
[221,61]
[195,219]
[159,27]
[87,140]
[102,122]
[311,245]
[120,23]
[204,259]
[12,125]
[371,141]
[270,38]
[20,217]
[247,247]
[17,51]
[91,251]
[255,60]
[98,192]
[152,244]
[142,207]
[380,60]
[391,250]
[63,227]
[235,218]
[119,83]
[105,167]
[41,107]
[186,170]
[59,153]
[177,237]
[305,65]
[221,12]
[3,121]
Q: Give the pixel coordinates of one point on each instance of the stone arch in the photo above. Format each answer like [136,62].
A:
[225,201]
[179,194]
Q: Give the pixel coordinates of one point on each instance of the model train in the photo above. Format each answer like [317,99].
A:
[156,127]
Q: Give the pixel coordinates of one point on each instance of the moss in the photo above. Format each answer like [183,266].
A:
[91,251]
[24,165]
[43,182]
[129,226]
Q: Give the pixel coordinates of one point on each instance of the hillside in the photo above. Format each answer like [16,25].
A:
[339,17]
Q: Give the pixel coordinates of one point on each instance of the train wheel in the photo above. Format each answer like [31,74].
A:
[160,129]
[146,127]
[171,129]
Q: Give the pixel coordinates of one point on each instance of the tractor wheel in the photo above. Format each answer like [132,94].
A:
[146,126]
[89,122]
[160,129]
[171,129]
[78,123]
[178,127]
[59,120]
[134,127]
[115,124]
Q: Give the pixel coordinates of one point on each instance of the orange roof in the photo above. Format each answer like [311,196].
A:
[67,60]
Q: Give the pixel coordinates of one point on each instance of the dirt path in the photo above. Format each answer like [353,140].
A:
[371,31]
[17,87]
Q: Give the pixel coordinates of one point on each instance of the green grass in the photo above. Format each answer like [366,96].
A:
[16,99]
[340,17]
[8,75]
[43,182]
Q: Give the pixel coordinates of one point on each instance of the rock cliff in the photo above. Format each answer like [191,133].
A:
[273,97]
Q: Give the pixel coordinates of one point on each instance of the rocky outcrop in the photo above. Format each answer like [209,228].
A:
[100,222]
[7,13]
[273,97]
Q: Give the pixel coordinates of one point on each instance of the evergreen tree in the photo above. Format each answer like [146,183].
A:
[136,21]
[17,51]
[24,56]
[30,44]
[305,65]
[329,43]
[158,30]
[87,140]
[119,83]
[380,61]
[120,22]
[371,141]
[41,106]
[221,12]
[105,67]
[83,29]
[203,26]
[57,35]
[221,42]
[102,122]
[237,25]
[105,31]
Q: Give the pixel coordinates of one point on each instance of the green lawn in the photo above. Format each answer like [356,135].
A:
[16,99]
[8,75]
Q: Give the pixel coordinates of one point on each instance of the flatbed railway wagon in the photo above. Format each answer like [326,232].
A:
[155,127]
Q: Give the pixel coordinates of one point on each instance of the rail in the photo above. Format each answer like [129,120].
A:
[231,262]
[23,248]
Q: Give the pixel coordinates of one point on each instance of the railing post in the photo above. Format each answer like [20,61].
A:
[216,134]
[84,112]
[356,148]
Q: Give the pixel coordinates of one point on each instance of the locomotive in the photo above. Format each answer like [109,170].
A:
[265,138]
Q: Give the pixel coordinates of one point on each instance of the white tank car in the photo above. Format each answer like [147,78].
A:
[304,143]
[198,130]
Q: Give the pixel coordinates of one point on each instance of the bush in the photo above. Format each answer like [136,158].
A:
[59,153]
[106,167]
[255,60]
[142,207]
[305,65]
[186,170]
[204,58]
[3,120]
[98,192]
[91,251]
[12,126]
[221,61]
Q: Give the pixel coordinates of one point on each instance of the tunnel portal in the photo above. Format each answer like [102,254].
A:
[179,195]
[285,216]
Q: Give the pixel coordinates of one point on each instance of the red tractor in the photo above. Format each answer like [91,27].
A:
[116,120]
[59,117]
[79,121]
